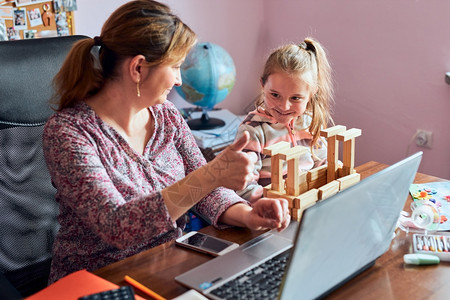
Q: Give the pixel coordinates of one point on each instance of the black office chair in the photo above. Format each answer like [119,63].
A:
[28,211]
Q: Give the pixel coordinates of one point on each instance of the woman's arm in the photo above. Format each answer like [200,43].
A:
[232,169]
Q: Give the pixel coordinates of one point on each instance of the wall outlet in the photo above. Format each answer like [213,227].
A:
[424,138]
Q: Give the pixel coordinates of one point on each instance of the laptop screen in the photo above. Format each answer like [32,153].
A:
[341,236]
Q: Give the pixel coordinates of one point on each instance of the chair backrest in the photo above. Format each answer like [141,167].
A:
[28,218]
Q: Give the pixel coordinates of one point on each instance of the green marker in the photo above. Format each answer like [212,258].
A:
[420,259]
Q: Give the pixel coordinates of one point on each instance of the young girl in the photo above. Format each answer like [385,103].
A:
[294,106]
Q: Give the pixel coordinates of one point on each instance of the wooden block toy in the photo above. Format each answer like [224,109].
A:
[303,189]
[303,186]
[295,183]
[296,214]
[333,131]
[306,198]
[294,152]
[269,188]
[317,173]
[276,172]
[348,159]
[328,189]
[275,194]
[349,134]
[276,163]
[317,177]
[317,183]
[276,148]
[348,181]
[344,171]
[333,149]
[302,202]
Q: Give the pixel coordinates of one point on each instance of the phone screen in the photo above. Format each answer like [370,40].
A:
[204,241]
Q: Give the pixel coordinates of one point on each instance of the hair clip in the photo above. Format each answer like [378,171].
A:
[98,41]
[303,45]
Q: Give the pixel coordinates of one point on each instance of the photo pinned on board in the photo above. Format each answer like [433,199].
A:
[12,33]
[29,34]
[34,15]
[20,19]
[28,2]
[62,26]
[64,5]
[3,34]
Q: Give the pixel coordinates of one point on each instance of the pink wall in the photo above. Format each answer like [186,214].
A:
[389,60]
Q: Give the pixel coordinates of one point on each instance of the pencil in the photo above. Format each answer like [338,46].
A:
[143,288]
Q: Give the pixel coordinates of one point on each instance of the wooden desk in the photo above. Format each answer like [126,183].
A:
[389,278]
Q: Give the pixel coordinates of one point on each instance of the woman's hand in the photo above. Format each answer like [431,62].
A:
[233,168]
[265,213]
[269,213]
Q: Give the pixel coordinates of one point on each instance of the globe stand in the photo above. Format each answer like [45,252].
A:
[205,122]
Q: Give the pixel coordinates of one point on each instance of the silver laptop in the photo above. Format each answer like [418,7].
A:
[336,239]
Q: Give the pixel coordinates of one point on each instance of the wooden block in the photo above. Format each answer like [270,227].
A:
[276,169]
[296,214]
[315,184]
[317,173]
[305,199]
[332,158]
[303,185]
[275,194]
[348,181]
[332,131]
[276,148]
[292,179]
[293,152]
[349,134]
[333,149]
[328,189]
[348,137]
[348,156]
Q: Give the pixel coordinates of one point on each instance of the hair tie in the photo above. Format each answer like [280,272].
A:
[98,41]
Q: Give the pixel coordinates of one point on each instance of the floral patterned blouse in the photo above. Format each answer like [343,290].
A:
[110,195]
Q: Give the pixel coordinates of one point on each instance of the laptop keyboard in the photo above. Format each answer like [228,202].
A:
[261,282]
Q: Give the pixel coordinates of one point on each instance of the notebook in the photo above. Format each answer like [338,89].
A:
[336,239]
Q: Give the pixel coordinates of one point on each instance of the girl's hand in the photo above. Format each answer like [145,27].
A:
[268,213]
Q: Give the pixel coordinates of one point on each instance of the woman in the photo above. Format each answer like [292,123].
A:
[123,161]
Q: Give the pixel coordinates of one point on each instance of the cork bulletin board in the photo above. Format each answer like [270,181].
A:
[27,19]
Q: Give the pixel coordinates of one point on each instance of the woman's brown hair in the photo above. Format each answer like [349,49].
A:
[138,27]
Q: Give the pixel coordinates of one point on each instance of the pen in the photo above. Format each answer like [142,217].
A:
[419,243]
[143,288]
[444,243]
[432,244]
[425,243]
[438,243]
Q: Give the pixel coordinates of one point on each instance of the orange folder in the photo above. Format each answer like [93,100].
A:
[75,285]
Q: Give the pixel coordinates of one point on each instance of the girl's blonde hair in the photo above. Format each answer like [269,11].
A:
[308,56]
[138,27]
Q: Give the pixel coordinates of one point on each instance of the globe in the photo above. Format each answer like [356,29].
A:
[208,75]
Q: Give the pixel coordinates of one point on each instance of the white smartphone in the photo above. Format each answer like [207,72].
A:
[206,243]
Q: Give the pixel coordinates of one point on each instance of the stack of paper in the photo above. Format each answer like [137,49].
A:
[219,136]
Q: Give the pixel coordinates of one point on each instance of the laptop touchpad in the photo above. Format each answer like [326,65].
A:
[268,246]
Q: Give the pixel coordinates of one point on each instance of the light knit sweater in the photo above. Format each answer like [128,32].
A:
[110,195]
[265,131]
